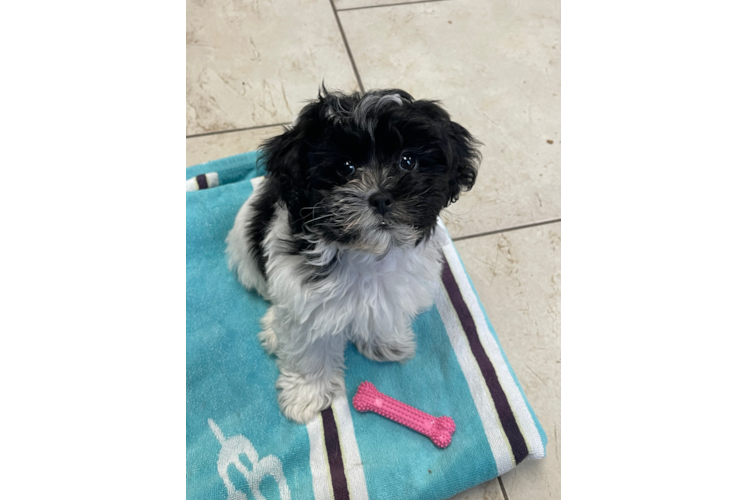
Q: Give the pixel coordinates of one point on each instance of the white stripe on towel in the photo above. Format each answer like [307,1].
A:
[318,461]
[354,469]
[481,397]
[517,402]
[212,179]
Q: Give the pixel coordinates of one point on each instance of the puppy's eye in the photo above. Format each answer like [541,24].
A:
[408,161]
[347,168]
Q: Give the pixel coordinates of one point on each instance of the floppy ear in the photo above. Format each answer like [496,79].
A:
[464,160]
[285,155]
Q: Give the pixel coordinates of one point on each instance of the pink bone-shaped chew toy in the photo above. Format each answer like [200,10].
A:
[439,430]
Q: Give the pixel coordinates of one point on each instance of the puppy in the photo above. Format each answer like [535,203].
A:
[342,236]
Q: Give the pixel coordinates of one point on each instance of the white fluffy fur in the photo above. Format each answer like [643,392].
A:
[238,254]
[367,298]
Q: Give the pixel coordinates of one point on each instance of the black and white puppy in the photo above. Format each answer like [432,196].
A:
[342,235]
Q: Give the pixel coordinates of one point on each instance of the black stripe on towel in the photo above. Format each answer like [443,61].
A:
[202,181]
[334,456]
[506,416]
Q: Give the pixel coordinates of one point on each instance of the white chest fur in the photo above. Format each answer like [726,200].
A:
[361,295]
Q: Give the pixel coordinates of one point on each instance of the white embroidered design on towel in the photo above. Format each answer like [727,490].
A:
[270,465]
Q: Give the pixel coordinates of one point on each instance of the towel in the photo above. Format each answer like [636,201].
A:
[240,446]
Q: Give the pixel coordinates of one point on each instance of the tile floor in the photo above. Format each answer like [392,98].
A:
[495,65]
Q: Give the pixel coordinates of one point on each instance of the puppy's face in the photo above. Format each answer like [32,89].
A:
[370,172]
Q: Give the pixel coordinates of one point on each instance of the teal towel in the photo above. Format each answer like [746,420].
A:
[240,446]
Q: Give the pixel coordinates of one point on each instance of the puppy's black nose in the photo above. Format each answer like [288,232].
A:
[381,202]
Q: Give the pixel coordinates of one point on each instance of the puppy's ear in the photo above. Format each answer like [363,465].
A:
[285,155]
[464,160]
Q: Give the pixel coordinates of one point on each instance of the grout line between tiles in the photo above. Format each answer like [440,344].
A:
[238,129]
[389,5]
[504,230]
[347,48]
[503,491]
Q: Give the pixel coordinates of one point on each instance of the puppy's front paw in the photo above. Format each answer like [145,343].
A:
[301,398]
[401,349]
[267,336]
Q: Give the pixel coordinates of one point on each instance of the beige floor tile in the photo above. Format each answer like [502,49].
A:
[216,146]
[355,4]
[255,63]
[518,277]
[496,67]
[489,490]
